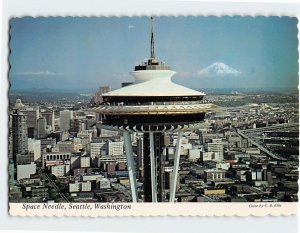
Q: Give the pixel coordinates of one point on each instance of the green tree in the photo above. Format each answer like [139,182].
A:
[53,194]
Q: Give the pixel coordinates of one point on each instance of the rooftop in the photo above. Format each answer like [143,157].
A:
[155,87]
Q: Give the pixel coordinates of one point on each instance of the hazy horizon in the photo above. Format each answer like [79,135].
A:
[206,52]
[93,90]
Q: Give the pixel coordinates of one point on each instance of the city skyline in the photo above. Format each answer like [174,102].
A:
[206,52]
[152,140]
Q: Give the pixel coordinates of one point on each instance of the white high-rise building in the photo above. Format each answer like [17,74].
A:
[98,148]
[85,161]
[25,170]
[65,117]
[194,154]
[34,146]
[115,148]
[80,186]
[60,170]
[217,147]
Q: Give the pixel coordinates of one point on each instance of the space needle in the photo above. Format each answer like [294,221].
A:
[152,105]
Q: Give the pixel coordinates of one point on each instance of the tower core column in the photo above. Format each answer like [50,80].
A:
[130,166]
[175,169]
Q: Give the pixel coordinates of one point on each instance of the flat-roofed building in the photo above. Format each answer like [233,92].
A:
[32,114]
[34,146]
[60,170]
[53,158]
[65,119]
[49,116]
[98,148]
[85,161]
[25,170]
[115,148]
[213,175]
[79,186]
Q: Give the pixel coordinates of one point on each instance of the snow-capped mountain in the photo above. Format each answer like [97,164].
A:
[219,69]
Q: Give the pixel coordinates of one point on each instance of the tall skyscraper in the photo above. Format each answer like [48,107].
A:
[19,135]
[65,117]
[217,147]
[41,128]
[98,95]
[32,116]
[76,126]
[152,105]
[49,116]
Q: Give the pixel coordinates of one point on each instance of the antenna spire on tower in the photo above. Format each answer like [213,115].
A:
[152,54]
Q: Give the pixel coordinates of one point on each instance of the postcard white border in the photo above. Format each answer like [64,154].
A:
[154,209]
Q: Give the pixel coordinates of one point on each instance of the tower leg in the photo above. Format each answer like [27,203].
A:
[153,168]
[130,166]
[175,168]
[147,169]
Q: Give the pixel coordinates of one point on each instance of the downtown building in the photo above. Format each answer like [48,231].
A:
[32,115]
[19,135]
[65,119]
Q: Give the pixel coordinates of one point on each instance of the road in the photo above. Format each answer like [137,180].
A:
[263,149]
[46,176]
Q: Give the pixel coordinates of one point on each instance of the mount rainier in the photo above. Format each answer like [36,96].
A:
[218,69]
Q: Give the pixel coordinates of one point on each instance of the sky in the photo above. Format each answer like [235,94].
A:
[206,52]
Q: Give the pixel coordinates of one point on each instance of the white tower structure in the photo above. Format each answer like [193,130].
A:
[152,105]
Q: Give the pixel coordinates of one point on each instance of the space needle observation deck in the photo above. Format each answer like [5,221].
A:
[152,105]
